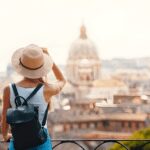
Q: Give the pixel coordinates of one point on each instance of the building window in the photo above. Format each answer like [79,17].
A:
[92,125]
[137,125]
[129,124]
[105,123]
[67,127]
[122,124]
[75,126]
[58,128]
[96,124]
[83,125]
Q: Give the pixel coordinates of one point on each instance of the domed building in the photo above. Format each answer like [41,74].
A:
[83,64]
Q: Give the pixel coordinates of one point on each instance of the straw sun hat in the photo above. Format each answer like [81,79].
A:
[31,62]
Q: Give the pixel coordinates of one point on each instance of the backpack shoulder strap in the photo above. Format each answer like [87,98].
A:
[45,116]
[34,91]
[18,102]
[46,111]
[15,89]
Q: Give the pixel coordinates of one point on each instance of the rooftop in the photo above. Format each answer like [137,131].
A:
[108,83]
[68,116]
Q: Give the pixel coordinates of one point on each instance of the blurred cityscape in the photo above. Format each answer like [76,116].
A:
[104,99]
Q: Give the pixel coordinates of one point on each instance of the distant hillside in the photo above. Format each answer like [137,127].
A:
[121,63]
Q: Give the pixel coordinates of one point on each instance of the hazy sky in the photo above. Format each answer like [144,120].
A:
[119,28]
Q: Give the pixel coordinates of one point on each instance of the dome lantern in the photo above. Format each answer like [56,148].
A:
[83,32]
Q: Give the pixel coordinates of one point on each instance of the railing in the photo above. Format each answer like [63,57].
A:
[80,144]
[101,142]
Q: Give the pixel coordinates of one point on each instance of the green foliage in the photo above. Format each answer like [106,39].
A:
[135,145]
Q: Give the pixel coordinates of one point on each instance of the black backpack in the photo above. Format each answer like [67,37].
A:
[26,129]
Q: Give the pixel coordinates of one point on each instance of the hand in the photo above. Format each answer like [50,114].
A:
[7,137]
[45,50]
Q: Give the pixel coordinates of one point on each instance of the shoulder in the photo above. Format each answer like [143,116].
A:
[6,90]
[6,96]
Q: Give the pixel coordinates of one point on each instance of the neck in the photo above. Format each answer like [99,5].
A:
[33,80]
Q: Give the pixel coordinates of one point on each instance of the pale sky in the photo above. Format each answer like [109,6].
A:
[119,28]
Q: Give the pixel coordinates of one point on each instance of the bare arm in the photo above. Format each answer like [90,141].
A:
[59,76]
[6,105]
[53,89]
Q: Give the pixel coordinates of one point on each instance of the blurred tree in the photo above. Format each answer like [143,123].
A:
[136,145]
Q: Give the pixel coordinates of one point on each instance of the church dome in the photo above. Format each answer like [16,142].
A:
[83,48]
[83,64]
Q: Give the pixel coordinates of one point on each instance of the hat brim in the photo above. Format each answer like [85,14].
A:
[33,74]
